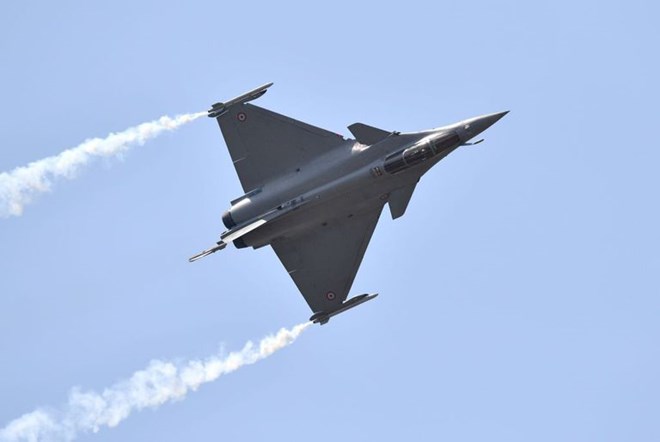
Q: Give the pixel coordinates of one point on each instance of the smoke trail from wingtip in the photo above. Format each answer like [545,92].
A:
[160,382]
[19,186]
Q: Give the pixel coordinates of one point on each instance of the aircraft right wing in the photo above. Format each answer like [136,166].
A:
[265,145]
[323,261]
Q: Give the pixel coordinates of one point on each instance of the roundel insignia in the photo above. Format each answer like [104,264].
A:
[330,295]
[241,116]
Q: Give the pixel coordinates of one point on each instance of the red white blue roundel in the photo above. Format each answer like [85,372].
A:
[241,116]
[330,296]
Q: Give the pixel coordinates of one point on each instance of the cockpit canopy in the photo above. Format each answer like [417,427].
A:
[420,152]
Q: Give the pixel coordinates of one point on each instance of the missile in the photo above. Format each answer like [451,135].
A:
[228,237]
[221,245]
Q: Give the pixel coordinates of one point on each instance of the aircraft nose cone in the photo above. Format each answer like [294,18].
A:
[474,126]
[480,124]
[491,119]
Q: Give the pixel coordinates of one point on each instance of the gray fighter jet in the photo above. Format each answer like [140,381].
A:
[315,197]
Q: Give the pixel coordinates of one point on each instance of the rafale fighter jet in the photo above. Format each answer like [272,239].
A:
[315,197]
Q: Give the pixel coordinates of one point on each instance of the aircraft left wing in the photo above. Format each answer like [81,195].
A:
[323,261]
[265,145]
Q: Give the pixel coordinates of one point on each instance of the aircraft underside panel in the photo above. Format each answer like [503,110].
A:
[265,145]
[323,261]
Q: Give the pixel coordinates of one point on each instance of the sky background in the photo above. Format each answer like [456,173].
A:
[519,293]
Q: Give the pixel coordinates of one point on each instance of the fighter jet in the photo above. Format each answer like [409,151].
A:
[315,197]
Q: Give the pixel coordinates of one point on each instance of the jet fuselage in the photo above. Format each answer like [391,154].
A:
[346,175]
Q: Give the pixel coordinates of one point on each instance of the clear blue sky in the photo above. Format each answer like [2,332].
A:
[519,294]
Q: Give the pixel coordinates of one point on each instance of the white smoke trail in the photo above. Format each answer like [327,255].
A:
[160,382]
[18,187]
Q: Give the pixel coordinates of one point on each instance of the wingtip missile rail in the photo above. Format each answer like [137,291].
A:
[218,109]
[323,317]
